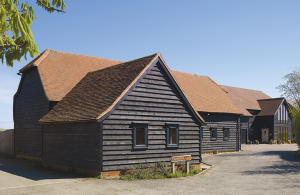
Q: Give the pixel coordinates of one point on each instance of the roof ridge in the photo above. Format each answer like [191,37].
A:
[242,88]
[124,63]
[83,55]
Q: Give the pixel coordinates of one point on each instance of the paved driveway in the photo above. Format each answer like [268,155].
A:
[258,169]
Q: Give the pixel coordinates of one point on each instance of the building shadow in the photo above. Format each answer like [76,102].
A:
[290,164]
[32,170]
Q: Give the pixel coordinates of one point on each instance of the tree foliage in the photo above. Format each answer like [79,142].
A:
[15,21]
[291,90]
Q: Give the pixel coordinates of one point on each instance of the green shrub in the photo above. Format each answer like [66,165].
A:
[187,174]
[1,131]
[159,176]
[174,175]
[127,177]
[144,176]
[271,141]
[256,141]
[195,171]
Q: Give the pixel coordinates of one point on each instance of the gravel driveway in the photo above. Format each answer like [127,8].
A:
[258,169]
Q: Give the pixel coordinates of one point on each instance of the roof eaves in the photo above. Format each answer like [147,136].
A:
[35,62]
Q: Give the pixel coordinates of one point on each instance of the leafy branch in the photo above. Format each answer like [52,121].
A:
[16,37]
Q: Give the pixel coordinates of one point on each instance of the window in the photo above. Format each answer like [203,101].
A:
[213,134]
[251,132]
[140,136]
[282,114]
[172,136]
[201,133]
[226,133]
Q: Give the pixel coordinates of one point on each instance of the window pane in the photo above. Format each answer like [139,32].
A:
[214,133]
[226,133]
[172,136]
[140,136]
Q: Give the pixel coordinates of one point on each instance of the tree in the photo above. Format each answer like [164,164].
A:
[291,90]
[16,37]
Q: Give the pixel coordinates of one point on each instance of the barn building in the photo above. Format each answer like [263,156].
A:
[44,82]
[120,116]
[222,117]
[264,118]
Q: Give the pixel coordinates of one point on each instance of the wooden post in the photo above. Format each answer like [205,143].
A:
[187,166]
[173,167]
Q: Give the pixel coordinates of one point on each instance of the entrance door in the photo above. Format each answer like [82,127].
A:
[264,135]
[243,136]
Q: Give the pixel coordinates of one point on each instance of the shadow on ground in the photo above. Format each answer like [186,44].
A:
[290,164]
[32,170]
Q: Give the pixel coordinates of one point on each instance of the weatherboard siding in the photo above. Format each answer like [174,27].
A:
[154,101]
[220,122]
[30,105]
[73,144]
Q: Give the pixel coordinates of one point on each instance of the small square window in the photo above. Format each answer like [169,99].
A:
[172,136]
[213,134]
[140,136]
[226,133]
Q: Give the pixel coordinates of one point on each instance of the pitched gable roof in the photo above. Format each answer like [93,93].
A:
[269,106]
[245,98]
[97,92]
[204,94]
[61,71]
[100,91]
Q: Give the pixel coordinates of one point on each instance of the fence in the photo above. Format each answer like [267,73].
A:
[7,142]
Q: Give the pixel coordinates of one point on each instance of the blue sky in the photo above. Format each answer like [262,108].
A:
[247,44]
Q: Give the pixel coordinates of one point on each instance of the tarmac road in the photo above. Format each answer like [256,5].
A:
[258,169]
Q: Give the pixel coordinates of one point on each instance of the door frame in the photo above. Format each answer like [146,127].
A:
[262,135]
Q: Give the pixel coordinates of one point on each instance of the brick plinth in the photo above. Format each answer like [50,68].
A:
[32,158]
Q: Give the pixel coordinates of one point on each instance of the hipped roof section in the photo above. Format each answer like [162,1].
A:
[245,98]
[61,71]
[204,94]
[99,92]
[269,107]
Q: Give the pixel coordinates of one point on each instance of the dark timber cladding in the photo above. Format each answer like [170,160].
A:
[30,104]
[220,122]
[155,101]
[77,145]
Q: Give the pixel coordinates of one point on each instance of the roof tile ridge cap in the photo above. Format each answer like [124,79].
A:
[85,55]
[180,88]
[42,57]
[118,64]
[127,88]
[243,88]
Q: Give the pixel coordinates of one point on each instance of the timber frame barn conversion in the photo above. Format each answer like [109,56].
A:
[115,117]
[99,116]
[264,118]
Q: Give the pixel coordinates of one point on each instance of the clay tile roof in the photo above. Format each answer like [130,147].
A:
[61,71]
[269,106]
[98,92]
[245,98]
[204,94]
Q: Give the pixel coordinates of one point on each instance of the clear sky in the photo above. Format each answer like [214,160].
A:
[247,44]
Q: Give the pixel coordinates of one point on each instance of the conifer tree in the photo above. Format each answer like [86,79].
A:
[15,21]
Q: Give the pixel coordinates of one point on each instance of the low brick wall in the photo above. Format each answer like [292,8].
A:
[7,142]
